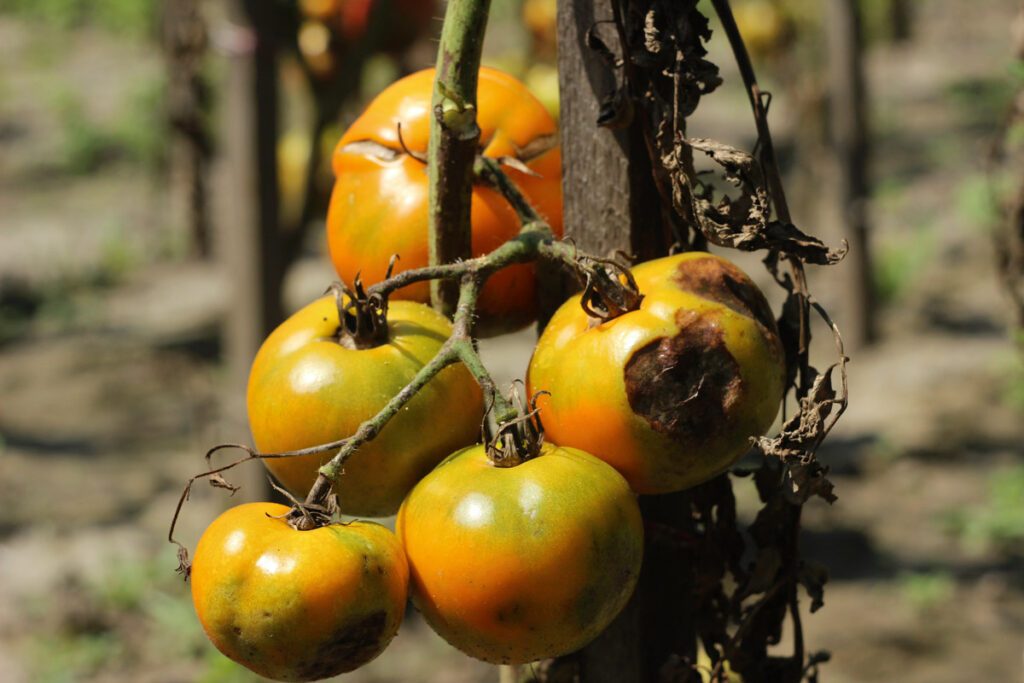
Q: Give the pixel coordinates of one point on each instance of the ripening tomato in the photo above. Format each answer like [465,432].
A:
[309,386]
[515,564]
[298,605]
[669,394]
[379,205]
[408,19]
[541,18]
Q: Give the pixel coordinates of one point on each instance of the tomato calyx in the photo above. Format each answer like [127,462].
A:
[610,290]
[362,317]
[518,439]
[308,515]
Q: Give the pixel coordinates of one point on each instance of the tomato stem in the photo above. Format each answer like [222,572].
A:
[458,347]
[454,136]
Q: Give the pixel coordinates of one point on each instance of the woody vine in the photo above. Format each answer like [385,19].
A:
[660,69]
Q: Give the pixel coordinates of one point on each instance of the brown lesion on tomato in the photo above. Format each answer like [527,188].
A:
[688,386]
[718,280]
[349,647]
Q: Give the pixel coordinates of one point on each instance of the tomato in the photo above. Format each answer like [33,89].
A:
[515,564]
[541,18]
[319,9]
[298,605]
[379,205]
[669,394]
[406,21]
[306,388]
[351,18]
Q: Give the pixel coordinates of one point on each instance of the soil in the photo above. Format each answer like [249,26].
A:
[112,385]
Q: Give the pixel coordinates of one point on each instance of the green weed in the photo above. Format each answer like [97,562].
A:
[140,132]
[978,197]
[926,590]
[981,101]
[220,669]
[85,143]
[997,523]
[138,135]
[135,18]
[66,658]
[899,263]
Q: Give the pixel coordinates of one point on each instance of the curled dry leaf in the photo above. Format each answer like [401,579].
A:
[745,222]
[802,434]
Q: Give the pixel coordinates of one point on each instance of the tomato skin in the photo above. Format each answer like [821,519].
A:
[298,605]
[669,394]
[515,564]
[379,208]
[306,389]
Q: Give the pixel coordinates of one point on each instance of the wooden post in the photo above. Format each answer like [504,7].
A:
[610,198]
[248,215]
[611,203]
[850,144]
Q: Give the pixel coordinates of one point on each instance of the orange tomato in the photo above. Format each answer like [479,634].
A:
[515,564]
[306,388]
[379,206]
[298,605]
[406,21]
[319,9]
[669,394]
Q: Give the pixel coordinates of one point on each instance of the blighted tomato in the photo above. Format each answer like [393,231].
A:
[669,394]
[515,564]
[379,205]
[298,605]
[309,386]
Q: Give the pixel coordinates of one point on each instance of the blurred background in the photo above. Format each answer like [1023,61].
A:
[147,244]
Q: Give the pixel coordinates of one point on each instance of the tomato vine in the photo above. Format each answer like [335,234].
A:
[759,220]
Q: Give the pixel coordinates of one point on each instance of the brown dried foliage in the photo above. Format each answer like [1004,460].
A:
[664,73]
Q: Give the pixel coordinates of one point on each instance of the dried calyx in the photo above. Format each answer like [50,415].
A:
[610,290]
[362,318]
[306,517]
[519,439]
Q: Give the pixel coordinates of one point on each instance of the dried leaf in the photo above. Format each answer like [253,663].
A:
[744,223]
[537,147]
[373,149]
[217,481]
[814,576]
[800,437]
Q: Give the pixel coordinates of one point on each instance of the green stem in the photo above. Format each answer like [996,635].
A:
[458,347]
[446,356]
[454,137]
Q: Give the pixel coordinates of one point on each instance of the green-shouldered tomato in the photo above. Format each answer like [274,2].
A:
[298,605]
[515,564]
[307,388]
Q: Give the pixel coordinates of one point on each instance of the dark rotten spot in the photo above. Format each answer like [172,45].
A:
[688,386]
[347,648]
[720,281]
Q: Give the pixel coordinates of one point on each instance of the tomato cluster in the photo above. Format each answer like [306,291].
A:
[511,557]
